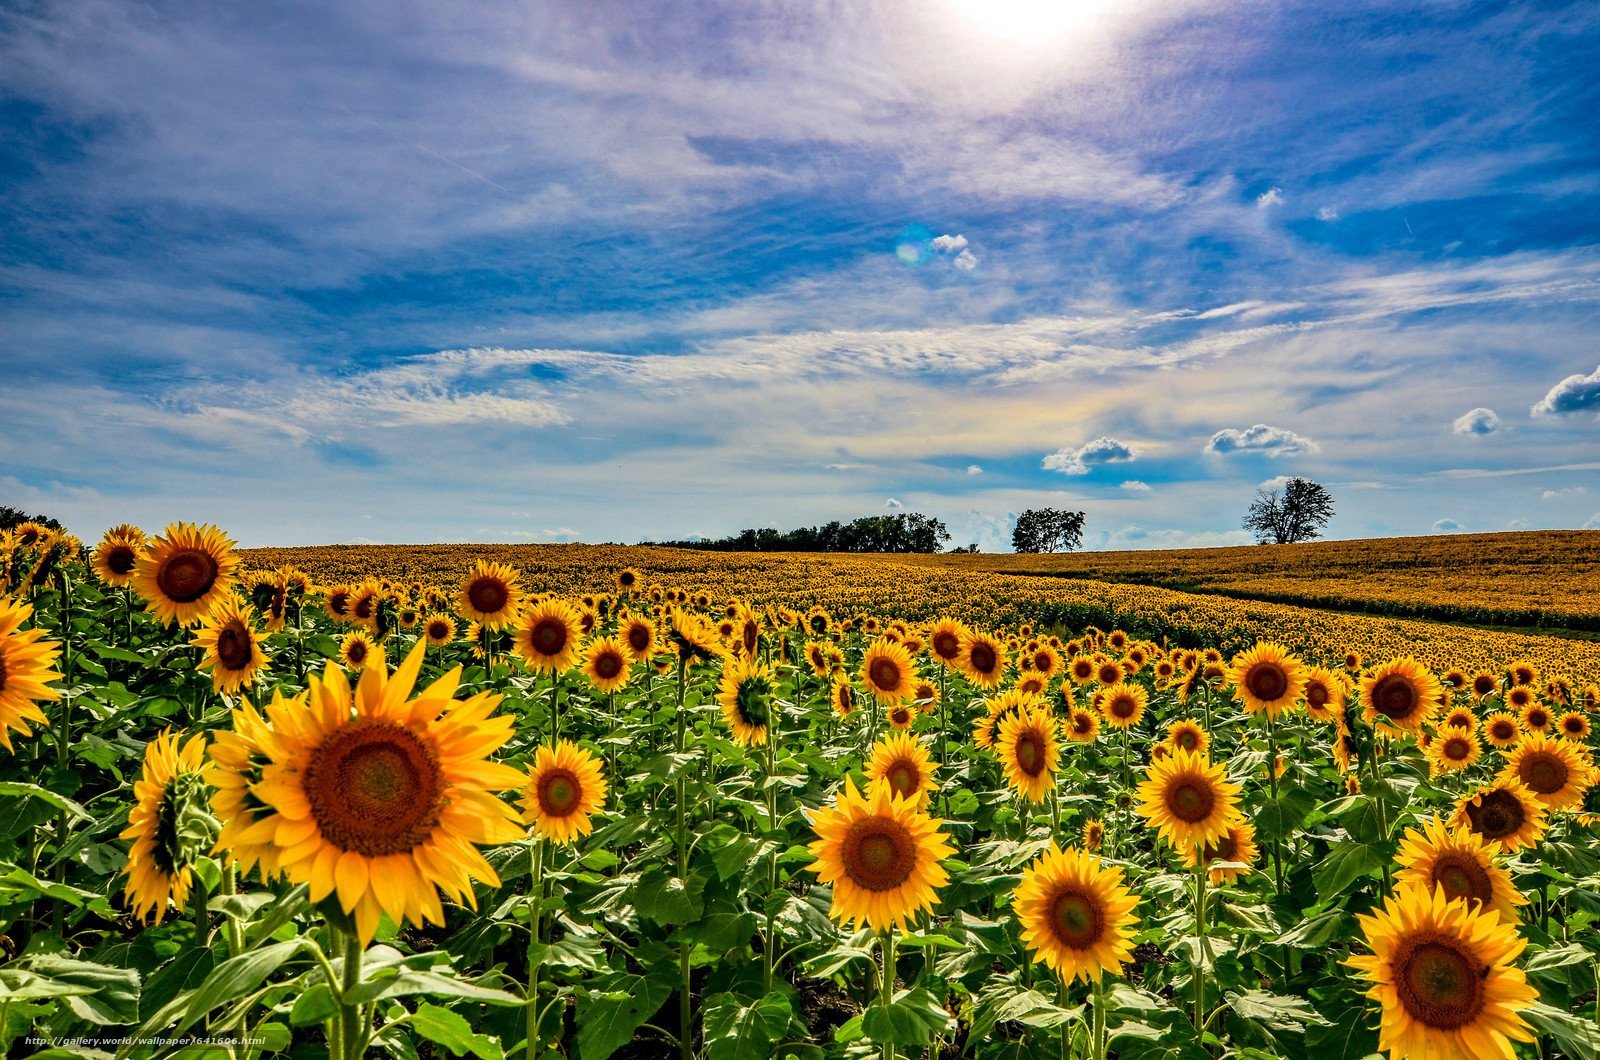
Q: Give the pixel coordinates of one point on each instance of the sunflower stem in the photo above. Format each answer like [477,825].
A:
[685,996]
[886,983]
[354,1044]
[1098,1046]
[1272,781]
[535,912]
[769,949]
[1202,943]
[233,931]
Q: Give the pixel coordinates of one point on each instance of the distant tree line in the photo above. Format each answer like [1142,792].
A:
[900,532]
[11,518]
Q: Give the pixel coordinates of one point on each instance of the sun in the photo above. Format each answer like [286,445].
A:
[1029,22]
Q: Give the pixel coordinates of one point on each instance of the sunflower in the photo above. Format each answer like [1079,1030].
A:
[1524,673]
[1044,661]
[1352,661]
[166,824]
[439,629]
[489,594]
[337,603]
[746,692]
[184,573]
[1238,845]
[1094,833]
[1536,717]
[1082,725]
[565,789]
[1081,670]
[1122,705]
[27,664]
[236,760]
[1503,813]
[627,580]
[1558,773]
[1402,692]
[1460,718]
[818,622]
[982,660]
[1029,750]
[1461,863]
[900,716]
[842,697]
[1442,971]
[606,664]
[118,553]
[1501,729]
[358,651]
[231,644]
[694,639]
[1452,750]
[379,798]
[996,710]
[546,636]
[1573,725]
[1108,672]
[1324,694]
[1520,697]
[1188,799]
[364,602]
[887,671]
[1076,914]
[926,696]
[1187,735]
[639,635]
[881,854]
[1484,684]
[1267,678]
[901,762]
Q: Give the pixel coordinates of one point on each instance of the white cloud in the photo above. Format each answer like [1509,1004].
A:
[949,244]
[893,503]
[1079,461]
[1575,393]
[1478,421]
[1270,197]
[1447,526]
[1135,537]
[1592,524]
[965,261]
[974,469]
[1273,441]
[1566,491]
[1518,524]
[1328,213]
[1133,485]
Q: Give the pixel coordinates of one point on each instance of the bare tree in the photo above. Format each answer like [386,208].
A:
[1298,512]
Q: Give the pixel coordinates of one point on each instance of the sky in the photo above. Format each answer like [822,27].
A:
[615,271]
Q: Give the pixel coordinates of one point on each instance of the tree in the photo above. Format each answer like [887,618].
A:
[11,518]
[1047,530]
[1298,512]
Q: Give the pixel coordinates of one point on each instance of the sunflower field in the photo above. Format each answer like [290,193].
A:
[741,808]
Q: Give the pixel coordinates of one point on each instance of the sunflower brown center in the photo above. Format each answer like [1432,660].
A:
[548,636]
[1267,681]
[884,673]
[1188,739]
[234,646]
[1483,685]
[607,665]
[904,778]
[1316,695]
[1462,877]
[1190,801]
[1457,749]
[119,560]
[1497,815]
[1123,707]
[1082,724]
[1537,718]
[1030,753]
[1543,773]
[1224,849]
[2,673]
[1394,697]
[1082,670]
[946,645]
[1110,674]
[356,652]
[375,788]
[488,595]
[638,637]
[1075,920]
[1574,727]
[338,601]
[1503,730]
[559,793]
[1440,986]
[879,854]
[438,630]
[900,715]
[983,658]
[187,575]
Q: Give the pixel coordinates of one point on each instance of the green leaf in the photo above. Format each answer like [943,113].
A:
[913,1018]
[608,1019]
[1278,818]
[1578,1037]
[409,981]
[668,900]
[446,1028]
[104,995]
[236,977]
[33,791]
[586,954]
[1275,1011]
[1347,1036]
[1344,864]
[736,1031]
[313,1006]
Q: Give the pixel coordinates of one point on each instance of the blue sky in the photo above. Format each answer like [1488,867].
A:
[609,271]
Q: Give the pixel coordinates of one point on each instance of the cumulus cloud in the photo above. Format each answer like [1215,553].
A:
[1447,526]
[893,503]
[1566,491]
[949,244]
[1575,393]
[966,261]
[1133,485]
[1273,441]
[1079,461]
[1270,197]
[974,469]
[1478,421]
